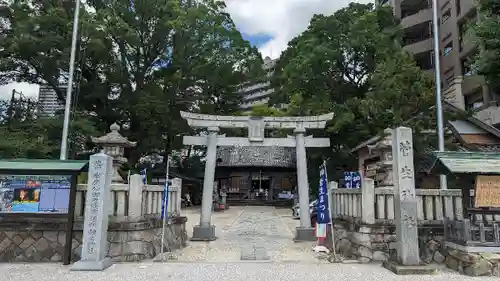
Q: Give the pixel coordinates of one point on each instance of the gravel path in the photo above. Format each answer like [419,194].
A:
[243,271]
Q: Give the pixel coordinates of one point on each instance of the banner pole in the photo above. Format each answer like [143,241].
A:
[164,210]
[330,205]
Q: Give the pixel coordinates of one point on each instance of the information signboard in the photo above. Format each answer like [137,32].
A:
[39,194]
[487,192]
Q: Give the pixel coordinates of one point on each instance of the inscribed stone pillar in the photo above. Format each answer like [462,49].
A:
[305,232]
[405,198]
[95,229]
[205,231]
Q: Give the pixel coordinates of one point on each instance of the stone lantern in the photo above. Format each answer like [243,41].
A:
[383,148]
[114,144]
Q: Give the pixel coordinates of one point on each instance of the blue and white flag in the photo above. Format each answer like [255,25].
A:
[323,210]
[164,203]
[348,179]
[352,180]
[356,180]
[144,176]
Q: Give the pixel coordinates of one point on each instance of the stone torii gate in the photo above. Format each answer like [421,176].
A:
[205,231]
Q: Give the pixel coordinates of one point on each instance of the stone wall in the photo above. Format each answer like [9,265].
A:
[368,243]
[43,239]
[473,264]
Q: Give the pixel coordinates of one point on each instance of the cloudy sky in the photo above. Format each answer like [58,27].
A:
[267,24]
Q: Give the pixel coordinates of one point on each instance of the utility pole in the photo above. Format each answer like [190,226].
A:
[69,90]
[437,65]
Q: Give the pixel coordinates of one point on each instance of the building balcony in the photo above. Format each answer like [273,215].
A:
[489,114]
[467,45]
[258,95]
[419,46]
[470,84]
[418,18]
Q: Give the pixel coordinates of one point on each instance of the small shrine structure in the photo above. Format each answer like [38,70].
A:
[475,239]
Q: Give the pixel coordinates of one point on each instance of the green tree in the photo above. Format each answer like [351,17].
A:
[136,65]
[352,64]
[487,31]
[25,136]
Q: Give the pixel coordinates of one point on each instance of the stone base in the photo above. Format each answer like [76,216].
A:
[91,265]
[305,234]
[203,233]
[167,256]
[411,269]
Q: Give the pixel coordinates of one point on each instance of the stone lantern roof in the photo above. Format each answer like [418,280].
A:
[114,138]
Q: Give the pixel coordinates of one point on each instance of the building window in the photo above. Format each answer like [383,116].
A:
[447,37]
[448,48]
[458,7]
[446,15]
[449,75]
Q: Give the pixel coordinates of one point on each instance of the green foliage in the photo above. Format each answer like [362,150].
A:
[136,65]
[352,64]
[24,136]
[487,31]
[265,110]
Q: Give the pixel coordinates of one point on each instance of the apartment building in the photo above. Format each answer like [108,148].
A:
[48,102]
[460,83]
[254,94]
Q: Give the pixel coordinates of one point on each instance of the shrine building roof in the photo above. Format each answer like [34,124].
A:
[460,162]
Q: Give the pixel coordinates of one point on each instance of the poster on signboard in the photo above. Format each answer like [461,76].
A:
[34,194]
[487,192]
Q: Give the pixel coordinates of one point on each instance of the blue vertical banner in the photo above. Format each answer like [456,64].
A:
[144,176]
[352,180]
[356,180]
[164,205]
[323,211]
[348,179]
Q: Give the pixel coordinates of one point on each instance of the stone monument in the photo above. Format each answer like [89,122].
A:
[95,229]
[114,144]
[405,206]
[205,231]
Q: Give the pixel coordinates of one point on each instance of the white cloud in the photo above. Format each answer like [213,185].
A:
[28,90]
[280,19]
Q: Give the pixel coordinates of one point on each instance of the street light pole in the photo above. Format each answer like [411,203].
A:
[437,65]
[69,90]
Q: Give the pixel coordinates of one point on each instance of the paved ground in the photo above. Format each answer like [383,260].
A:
[243,271]
[266,230]
[220,260]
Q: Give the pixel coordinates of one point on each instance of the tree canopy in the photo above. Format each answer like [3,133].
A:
[136,65]
[487,30]
[352,63]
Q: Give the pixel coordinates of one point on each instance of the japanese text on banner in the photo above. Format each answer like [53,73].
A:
[323,213]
